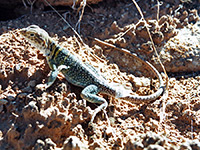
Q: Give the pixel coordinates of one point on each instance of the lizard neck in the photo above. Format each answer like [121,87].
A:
[44,45]
[51,48]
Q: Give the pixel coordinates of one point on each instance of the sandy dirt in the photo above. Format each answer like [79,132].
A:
[59,119]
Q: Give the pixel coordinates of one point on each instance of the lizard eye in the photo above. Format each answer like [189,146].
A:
[32,34]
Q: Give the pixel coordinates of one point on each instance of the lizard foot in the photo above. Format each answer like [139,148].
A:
[98,109]
[41,87]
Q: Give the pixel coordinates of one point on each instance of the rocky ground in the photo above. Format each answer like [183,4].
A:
[59,119]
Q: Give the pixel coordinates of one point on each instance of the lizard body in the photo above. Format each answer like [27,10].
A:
[81,74]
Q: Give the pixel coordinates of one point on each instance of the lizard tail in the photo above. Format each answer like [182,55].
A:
[125,94]
[146,99]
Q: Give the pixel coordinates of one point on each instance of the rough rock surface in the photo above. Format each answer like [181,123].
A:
[59,119]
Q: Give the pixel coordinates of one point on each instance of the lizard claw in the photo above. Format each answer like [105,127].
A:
[41,87]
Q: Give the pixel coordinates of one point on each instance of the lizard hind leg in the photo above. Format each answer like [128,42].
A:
[89,94]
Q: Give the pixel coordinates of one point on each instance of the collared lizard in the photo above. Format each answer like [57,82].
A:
[80,74]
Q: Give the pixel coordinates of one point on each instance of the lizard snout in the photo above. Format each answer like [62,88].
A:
[22,31]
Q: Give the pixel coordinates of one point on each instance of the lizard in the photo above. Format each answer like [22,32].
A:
[82,74]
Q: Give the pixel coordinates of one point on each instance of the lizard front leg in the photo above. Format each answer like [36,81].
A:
[52,77]
[89,94]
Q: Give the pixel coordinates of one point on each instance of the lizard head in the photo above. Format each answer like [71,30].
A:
[37,37]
